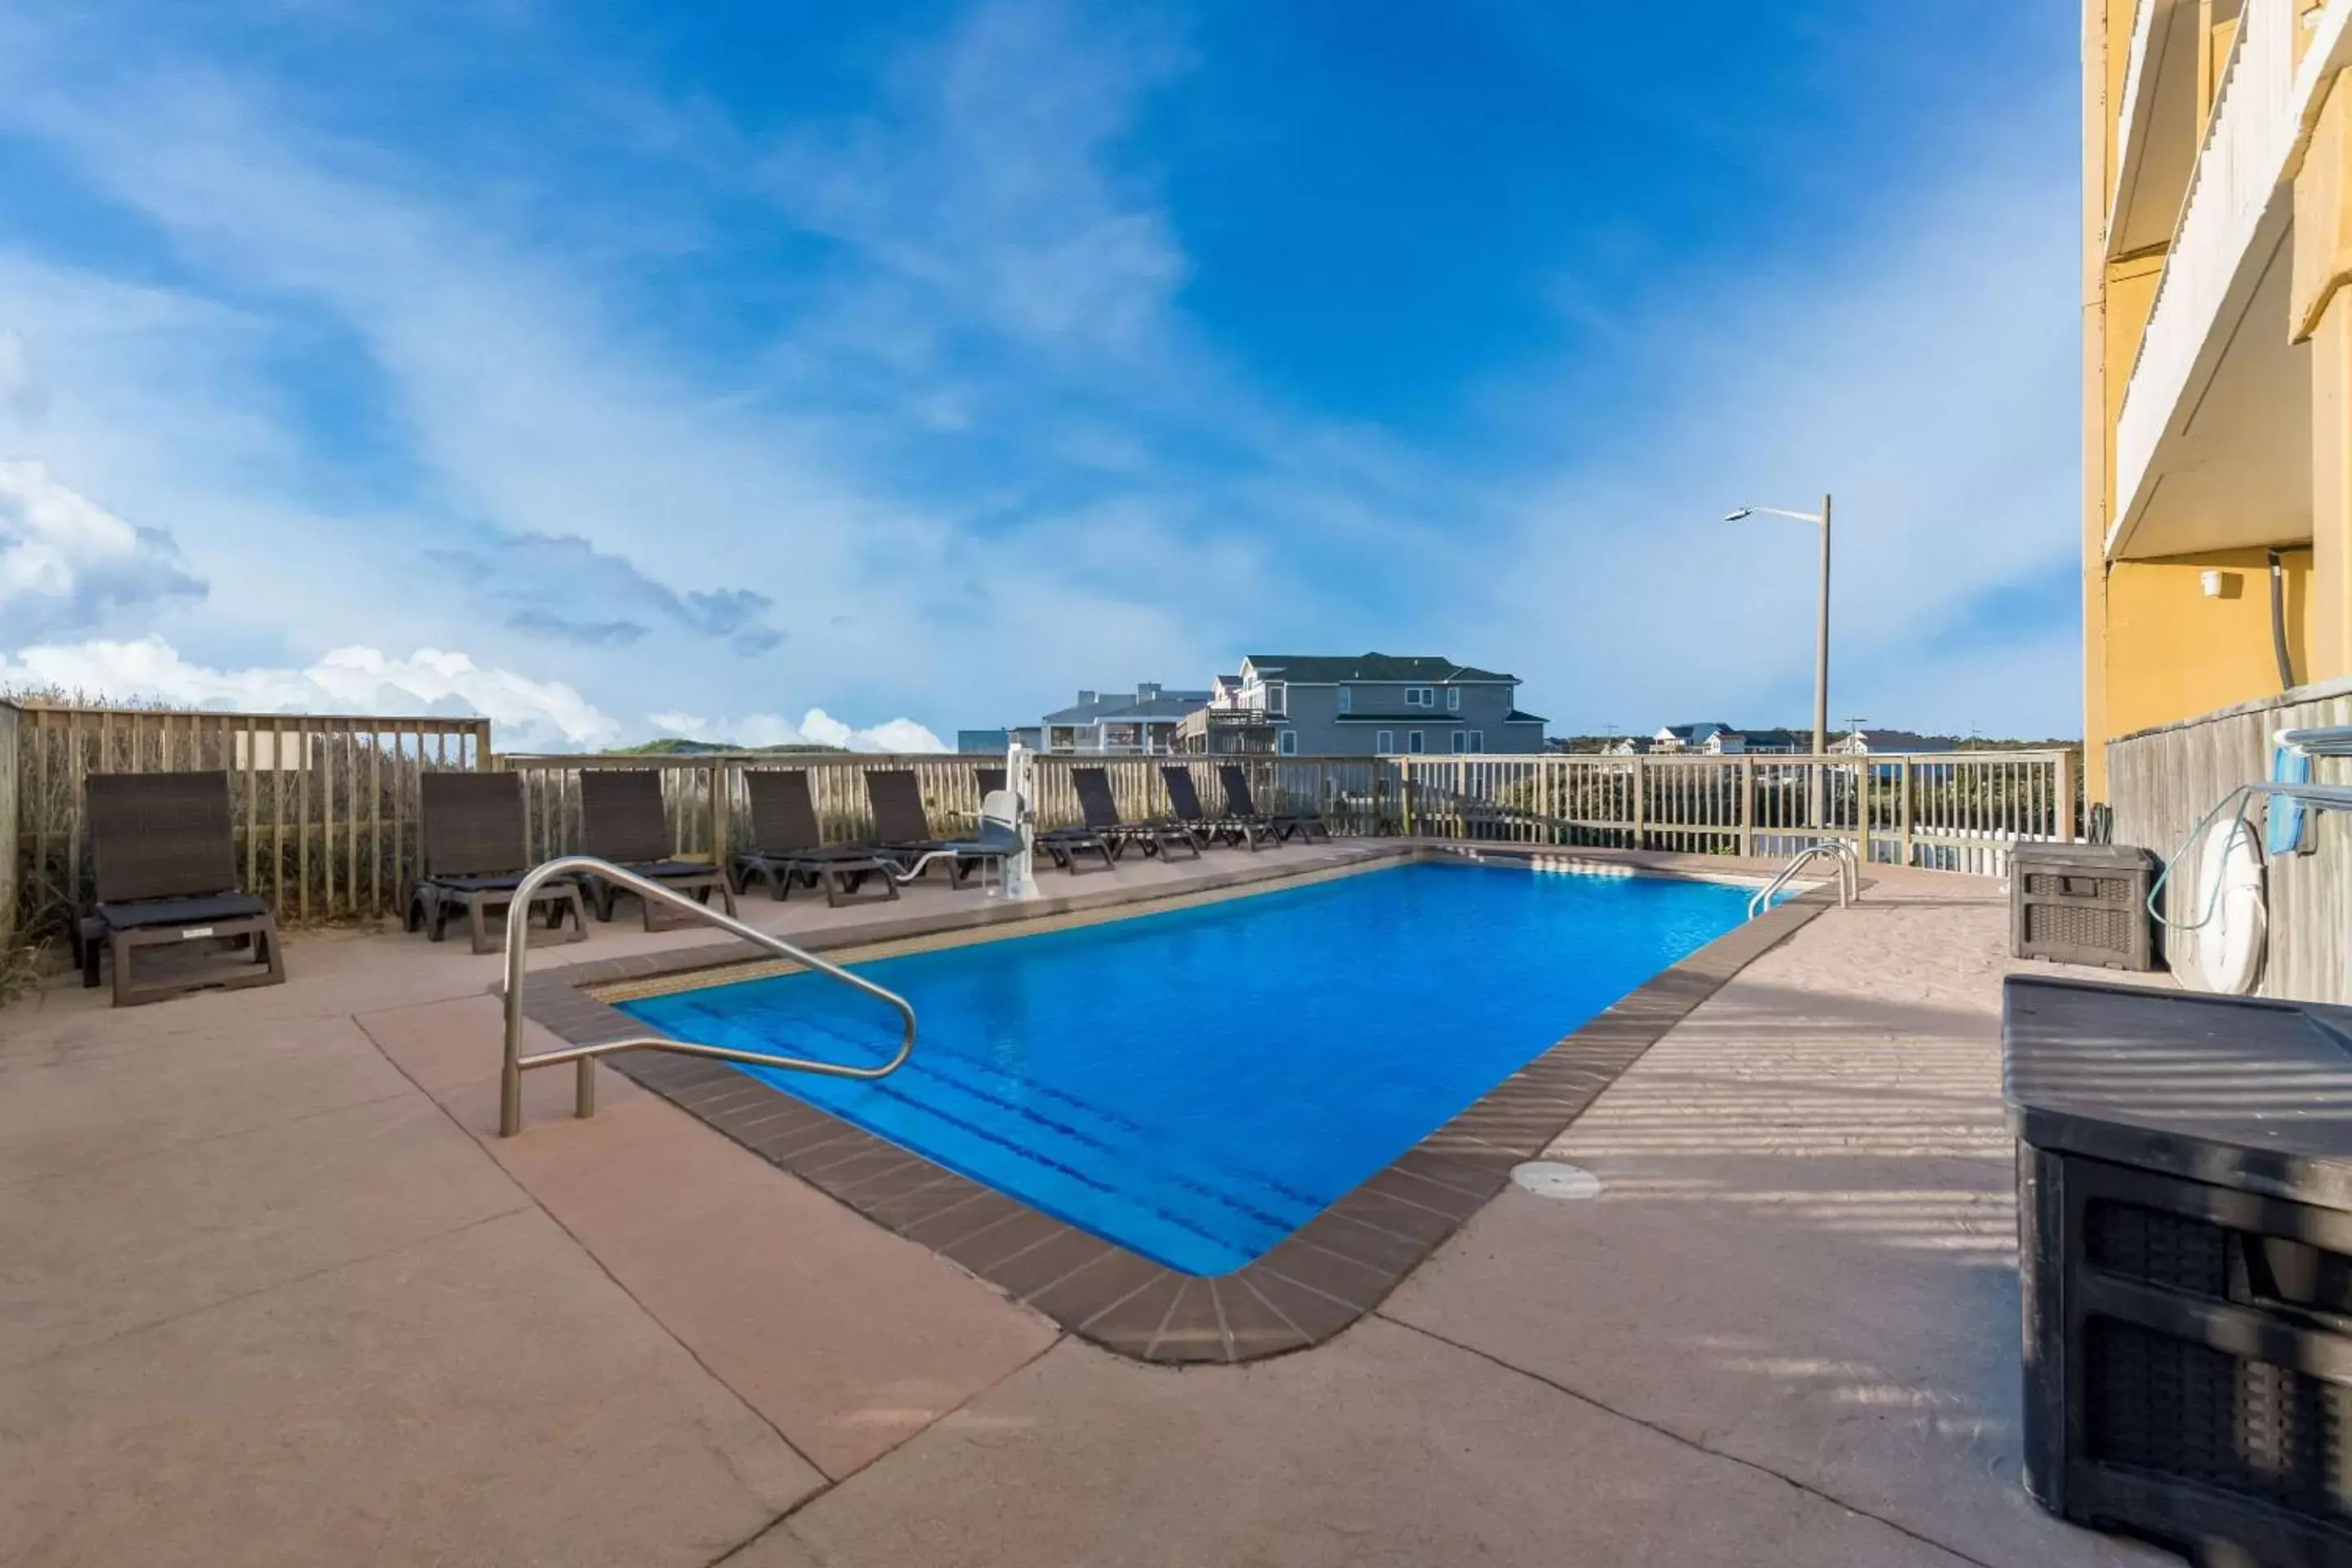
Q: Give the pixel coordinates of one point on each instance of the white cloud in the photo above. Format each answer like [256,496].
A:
[816,728]
[890,735]
[66,563]
[526,714]
[21,396]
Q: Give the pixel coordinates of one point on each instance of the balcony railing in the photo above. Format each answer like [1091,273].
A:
[2247,141]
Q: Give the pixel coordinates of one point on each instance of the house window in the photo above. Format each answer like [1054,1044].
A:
[1383,742]
[1477,739]
[1286,742]
[1454,700]
[1420,697]
[1346,700]
[1277,697]
[1458,739]
[1415,742]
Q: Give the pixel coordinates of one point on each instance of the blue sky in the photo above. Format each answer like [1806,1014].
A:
[638,369]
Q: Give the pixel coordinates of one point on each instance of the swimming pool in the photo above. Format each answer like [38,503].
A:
[1197,1084]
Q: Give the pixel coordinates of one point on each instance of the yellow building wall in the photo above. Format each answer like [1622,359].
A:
[2171,653]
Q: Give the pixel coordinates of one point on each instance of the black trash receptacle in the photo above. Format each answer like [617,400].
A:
[2082,903]
[2185,1246]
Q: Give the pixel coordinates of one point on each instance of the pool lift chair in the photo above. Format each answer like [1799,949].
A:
[1003,842]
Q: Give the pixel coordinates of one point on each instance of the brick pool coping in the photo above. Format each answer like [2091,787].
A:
[1323,1278]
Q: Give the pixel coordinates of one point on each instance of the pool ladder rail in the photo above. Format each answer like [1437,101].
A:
[518,943]
[1849,874]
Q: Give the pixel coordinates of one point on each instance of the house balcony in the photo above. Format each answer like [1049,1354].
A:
[2212,446]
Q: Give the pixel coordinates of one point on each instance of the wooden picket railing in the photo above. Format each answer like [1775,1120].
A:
[1953,812]
[324,806]
[1344,790]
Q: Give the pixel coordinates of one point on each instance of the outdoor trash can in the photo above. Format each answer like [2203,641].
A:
[2184,1249]
[2082,903]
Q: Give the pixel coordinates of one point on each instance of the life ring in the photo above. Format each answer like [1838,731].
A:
[2229,945]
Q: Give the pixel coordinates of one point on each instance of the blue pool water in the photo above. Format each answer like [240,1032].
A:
[1198,1084]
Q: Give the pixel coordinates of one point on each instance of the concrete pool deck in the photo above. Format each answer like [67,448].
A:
[272,1293]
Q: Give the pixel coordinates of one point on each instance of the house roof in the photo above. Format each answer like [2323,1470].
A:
[1117,705]
[1689,734]
[1761,738]
[1320,669]
[1520,716]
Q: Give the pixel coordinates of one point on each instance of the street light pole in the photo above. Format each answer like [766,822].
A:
[1822,668]
[1821,650]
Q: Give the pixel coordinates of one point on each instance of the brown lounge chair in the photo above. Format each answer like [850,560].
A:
[165,861]
[788,845]
[1240,807]
[623,820]
[1242,832]
[1101,811]
[1064,845]
[475,854]
[902,828]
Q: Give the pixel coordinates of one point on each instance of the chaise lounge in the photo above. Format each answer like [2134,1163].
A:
[1285,824]
[623,820]
[1240,832]
[902,830]
[1064,845]
[788,846]
[1101,811]
[164,855]
[475,855]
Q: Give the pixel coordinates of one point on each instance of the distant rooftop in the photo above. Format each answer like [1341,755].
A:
[1149,699]
[1319,669]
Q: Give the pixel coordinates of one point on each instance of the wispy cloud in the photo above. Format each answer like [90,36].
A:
[905,405]
[68,564]
[568,590]
[816,728]
[529,713]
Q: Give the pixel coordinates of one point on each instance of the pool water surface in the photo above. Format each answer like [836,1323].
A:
[1197,1084]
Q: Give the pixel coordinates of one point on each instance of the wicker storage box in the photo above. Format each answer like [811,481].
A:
[2185,1248]
[2082,903]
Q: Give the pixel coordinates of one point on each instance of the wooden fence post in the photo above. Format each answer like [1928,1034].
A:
[1640,801]
[1905,791]
[1747,807]
[2066,796]
[9,891]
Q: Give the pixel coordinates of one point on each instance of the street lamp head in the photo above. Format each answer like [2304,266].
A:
[1743,513]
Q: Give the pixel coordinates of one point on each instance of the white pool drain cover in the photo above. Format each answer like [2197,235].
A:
[1551,1179]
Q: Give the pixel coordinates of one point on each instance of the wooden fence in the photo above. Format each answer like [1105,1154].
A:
[2161,782]
[1346,792]
[1952,812]
[324,806]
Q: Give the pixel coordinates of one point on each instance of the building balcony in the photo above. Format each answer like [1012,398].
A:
[2212,448]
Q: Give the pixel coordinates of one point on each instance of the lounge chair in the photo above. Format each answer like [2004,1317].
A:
[997,837]
[623,820]
[902,830]
[1285,824]
[1066,847]
[1101,810]
[475,854]
[788,846]
[1242,831]
[165,860]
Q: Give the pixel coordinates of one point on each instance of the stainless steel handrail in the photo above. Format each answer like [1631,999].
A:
[1849,874]
[518,943]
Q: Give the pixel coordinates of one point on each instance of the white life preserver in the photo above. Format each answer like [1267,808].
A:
[2229,945]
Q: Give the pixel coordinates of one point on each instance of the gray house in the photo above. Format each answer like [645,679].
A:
[1362,705]
[1120,723]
